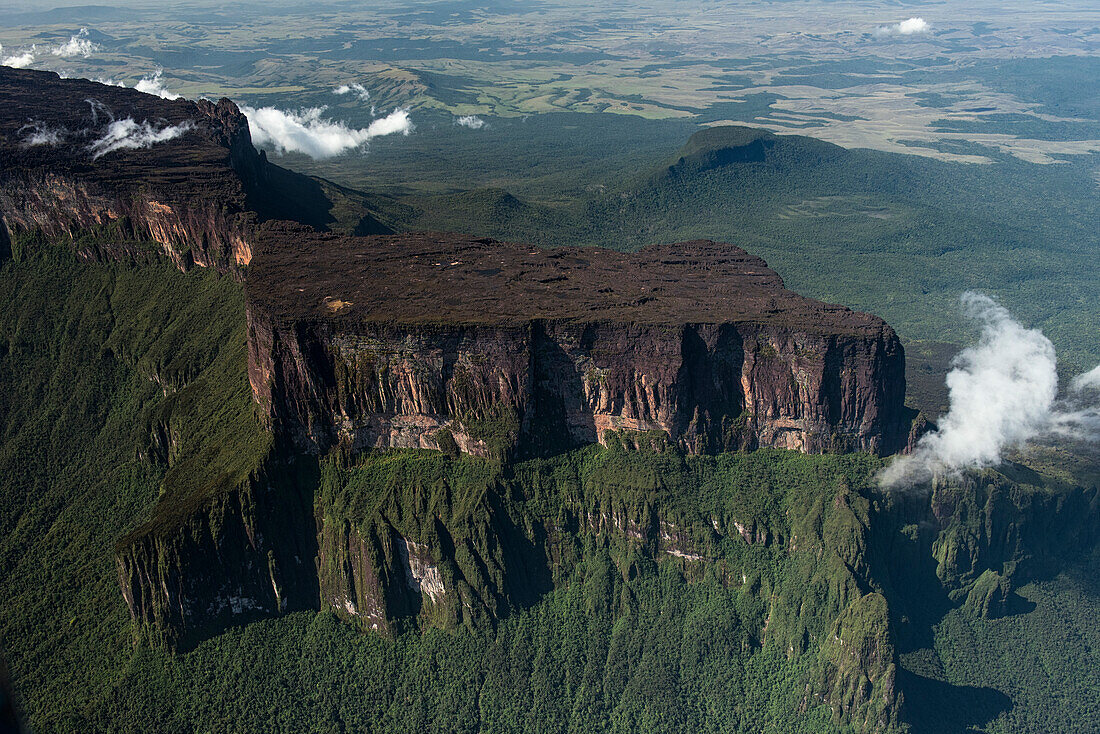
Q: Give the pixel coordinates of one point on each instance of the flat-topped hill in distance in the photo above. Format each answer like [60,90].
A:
[724,145]
[458,279]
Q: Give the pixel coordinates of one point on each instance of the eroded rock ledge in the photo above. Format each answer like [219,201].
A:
[450,342]
[192,196]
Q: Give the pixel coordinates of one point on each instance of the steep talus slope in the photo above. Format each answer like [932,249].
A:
[122,385]
[768,531]
[238,551]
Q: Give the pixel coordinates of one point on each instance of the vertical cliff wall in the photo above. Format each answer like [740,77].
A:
[387,386]
[186,197]
[702,344]
[5,240]
[241,553]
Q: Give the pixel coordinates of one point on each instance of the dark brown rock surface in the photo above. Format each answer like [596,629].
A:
[416,340]
[187,194]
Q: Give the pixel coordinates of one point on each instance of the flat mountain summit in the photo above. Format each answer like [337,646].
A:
[422,277]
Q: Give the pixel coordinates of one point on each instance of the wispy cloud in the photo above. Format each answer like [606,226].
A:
[148,84]
[78,45]
[1088,381]
[396,122]
[128,134]
[471,121]
[153,85]
[306,131]
[38,133]
[907,27]
[357,89]
[1003,393]
[20,60]
[97,109]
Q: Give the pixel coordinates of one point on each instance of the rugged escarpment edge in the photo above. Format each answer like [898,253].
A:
[81,165]
[428,340]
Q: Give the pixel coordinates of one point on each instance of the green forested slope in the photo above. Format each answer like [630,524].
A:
[89,352]
[123,382]
[626,642]
[113,377]
[1046,659]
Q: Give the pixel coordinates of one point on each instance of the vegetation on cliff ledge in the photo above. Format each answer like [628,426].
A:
[645,590]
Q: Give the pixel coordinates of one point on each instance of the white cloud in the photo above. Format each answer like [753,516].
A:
[78,45]
[359,90]
[1088,381]
[1003,393]
[913,25]
[471,121]
[905,28]
[396,122]
[38,133]
[21,61]
[127,134]
[147,84]
[98,108]
[307,132]
[152,85]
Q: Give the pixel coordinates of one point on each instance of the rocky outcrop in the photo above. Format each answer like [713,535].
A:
[9,720]
[244,553]
[858,676]
[992,536]
[5,241]
[432,340]
[974,539]
[176,183]
[411,565]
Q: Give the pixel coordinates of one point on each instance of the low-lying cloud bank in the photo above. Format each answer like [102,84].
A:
[147,84]
[39,133]
[19,60]
[1003,393]
[153,85]
[908,27]
[306,131]
[77,45]
[128,134]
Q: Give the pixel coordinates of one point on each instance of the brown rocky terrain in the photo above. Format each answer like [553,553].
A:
[421,340]
[460,344]
[188,195]
[194,196]
[441,341]
[436,341]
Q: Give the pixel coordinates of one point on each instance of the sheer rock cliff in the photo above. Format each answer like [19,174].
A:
[119,173]
[433,340]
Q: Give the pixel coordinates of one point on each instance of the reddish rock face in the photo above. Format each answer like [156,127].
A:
[187,195]
[419,340]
